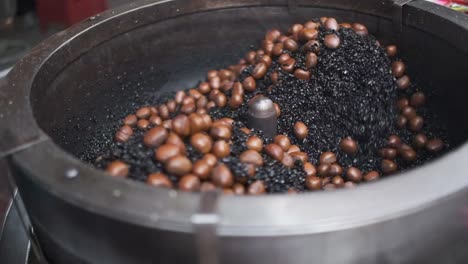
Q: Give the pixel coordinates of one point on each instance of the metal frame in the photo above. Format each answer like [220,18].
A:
[14,240]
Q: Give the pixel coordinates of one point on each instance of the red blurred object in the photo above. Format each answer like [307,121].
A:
[67,12]
[461,2]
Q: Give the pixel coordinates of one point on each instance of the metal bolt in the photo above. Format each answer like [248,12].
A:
[116,193]
[262,115]
[71,173]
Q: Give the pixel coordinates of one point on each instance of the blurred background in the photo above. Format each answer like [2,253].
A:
[24,23]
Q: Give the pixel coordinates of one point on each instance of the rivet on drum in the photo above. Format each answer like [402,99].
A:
[71,173]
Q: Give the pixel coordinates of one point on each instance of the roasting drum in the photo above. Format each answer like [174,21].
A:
[105,63]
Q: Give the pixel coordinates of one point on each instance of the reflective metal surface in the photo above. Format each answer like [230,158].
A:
[416,217]
[3,73]
[14,242]
[262,115]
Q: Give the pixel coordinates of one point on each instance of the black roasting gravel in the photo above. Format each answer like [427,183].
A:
[351,93]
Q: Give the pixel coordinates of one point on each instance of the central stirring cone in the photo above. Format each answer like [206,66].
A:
[262,115]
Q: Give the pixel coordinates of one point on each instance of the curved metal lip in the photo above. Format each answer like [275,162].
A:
[240,216]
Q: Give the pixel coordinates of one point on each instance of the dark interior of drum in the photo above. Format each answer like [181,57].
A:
[79,105]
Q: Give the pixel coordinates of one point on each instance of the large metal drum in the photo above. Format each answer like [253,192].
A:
[97,68]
